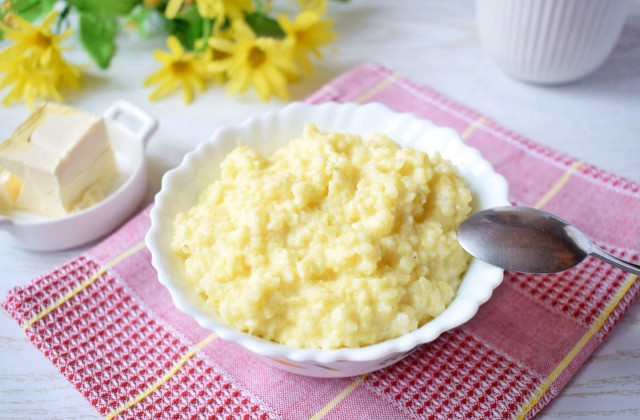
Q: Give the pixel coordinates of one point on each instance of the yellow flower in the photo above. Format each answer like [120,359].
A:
[262,62]
[308,32]
[180,69]
[34,64]
[213,9]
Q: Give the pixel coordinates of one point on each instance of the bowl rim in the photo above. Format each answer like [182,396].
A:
[431,330]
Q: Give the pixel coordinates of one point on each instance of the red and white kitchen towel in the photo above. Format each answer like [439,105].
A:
[110,328]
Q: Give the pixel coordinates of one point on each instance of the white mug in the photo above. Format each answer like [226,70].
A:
[550,41]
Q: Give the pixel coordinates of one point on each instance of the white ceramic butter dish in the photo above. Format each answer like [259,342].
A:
[128,129]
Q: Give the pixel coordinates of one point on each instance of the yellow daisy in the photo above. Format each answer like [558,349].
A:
[308,32]
[34,64]
[213,9]
[258,61]
[180,69]
[27,37]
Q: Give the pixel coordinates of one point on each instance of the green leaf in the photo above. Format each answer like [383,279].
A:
[117,7]
[97,34]
[31,9]
[187,26]
[190,15]
[264,25]
[27,9]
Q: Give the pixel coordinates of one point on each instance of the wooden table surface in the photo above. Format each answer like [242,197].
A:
[434,42]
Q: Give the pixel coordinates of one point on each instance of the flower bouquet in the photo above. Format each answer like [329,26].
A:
[240,43]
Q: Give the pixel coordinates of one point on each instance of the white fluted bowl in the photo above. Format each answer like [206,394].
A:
[199,168]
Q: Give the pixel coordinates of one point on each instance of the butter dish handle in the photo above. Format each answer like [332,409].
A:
[130,115]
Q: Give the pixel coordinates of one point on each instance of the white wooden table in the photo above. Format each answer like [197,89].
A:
[434,42]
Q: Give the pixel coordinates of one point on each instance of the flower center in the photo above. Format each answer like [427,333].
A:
[41,40]
[220,55]
[256,57]
[181,67]
[302,35]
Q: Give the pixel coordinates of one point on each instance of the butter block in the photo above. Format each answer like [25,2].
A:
[10,186]
[64,159]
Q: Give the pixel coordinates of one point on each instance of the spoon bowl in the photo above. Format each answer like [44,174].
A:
[530,240]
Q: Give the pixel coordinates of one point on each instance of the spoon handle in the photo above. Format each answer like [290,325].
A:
[615,261]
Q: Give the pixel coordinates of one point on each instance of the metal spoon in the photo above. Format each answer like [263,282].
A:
[530,240]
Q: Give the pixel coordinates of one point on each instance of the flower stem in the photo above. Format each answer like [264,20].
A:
[206,33]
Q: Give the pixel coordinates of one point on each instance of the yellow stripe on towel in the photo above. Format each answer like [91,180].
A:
[472,127]
[593,329]
[129,252]
[377,88]
[558,185]
[320,414]
[174,369]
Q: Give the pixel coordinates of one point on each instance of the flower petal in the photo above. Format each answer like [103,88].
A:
[157,76]
[164,89]
[209,9]
[49,20]
[262,86]
[239,82]
[172,8]
[175,46]
[286,24]
[306,18]
[14,94]
[221,44]
[7,80]
[304,61]
[162,56]
[64,35]
[18,22]
[278,82]
[197,82]
[46,58]
[286,64]
[187,92]
[242,31]
[218,66]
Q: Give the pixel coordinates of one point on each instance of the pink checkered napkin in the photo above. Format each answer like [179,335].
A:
[111,329]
